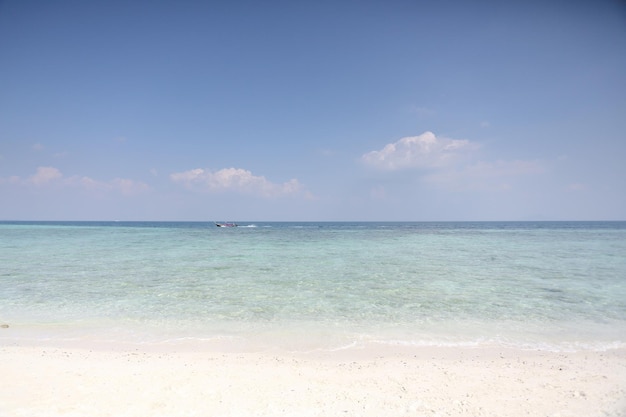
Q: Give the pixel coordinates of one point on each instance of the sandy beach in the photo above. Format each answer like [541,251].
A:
[432,381]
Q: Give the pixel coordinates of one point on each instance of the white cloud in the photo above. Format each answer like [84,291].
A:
[234,179]
[423,151]
[86,183]
[47,176]
[128,187]
[450,164]
[120,185]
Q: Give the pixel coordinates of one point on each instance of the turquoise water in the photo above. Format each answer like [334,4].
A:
[301,286]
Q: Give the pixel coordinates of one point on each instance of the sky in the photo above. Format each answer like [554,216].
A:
[322,110]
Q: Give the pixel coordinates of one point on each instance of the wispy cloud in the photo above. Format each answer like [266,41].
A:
[236,179]
[61,154]
[423,151]
[52,177]
[484,176]
[423,112]
[578,186]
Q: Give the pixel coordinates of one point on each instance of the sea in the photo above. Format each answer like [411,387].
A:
[309,286]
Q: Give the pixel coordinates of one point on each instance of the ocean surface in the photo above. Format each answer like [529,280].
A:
[309,286]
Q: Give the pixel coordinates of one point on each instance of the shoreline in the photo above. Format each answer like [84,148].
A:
[567,337]
[51,380]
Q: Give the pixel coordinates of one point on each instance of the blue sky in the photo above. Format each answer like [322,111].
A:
[320,110]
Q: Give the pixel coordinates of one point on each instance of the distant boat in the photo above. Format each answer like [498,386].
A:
[227,224]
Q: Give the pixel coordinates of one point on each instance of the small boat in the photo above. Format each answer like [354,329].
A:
[227,224]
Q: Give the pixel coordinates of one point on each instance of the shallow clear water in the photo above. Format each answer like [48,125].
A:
[559,285]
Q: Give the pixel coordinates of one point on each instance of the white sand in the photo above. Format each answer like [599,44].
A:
[48,381]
